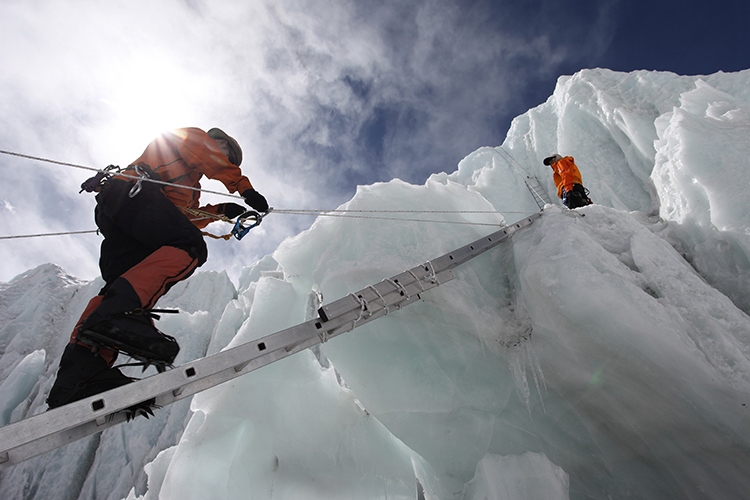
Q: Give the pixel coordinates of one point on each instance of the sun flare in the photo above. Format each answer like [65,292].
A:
[150,96]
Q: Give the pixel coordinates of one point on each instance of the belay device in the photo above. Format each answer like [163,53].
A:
[240,230]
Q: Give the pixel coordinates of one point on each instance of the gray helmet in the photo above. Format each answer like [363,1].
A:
[552,159]
[234,146]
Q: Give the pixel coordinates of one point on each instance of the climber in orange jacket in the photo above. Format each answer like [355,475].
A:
[567,178]
[149,245]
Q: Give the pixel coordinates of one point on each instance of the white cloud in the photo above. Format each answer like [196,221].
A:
[321,95]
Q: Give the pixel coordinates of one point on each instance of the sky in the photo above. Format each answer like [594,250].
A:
[322,96]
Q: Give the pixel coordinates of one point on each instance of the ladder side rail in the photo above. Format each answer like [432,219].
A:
[418,273]
[55,428]
[540,195]
[377,312]
[403,284]
[351,319]
[105,410]
[41,433]
[478,247]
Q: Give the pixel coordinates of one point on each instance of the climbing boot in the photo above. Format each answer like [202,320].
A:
[119,323]
[128,333]
[82,374]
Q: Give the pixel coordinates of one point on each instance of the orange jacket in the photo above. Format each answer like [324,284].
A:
[182,156]
[565,175]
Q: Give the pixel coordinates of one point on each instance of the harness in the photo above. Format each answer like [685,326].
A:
[99,182]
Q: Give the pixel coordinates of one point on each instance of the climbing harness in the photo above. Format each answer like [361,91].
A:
[97,182]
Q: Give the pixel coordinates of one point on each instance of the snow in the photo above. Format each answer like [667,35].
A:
[601,353]
[530,475]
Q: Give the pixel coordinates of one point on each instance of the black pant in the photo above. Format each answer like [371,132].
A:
[576,197]
[134,228]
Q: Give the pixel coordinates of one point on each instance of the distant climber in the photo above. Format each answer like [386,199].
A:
[567,178]
[149,245]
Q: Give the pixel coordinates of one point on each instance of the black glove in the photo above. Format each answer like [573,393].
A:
[255,200]
[231,210]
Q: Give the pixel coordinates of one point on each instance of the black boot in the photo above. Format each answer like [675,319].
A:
[119,323]
[82,374]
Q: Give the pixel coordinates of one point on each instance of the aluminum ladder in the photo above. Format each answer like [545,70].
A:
[55,428]
[537,191]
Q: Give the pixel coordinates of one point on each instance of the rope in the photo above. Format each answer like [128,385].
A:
[47,234]
[224,237]
[316,211]
[134,177]
[326,213]
[512,160]
[205,215]
[344,213]
[495,224]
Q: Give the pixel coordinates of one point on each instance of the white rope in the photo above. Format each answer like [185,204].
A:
[312,211]
[385,304]
[134,177]
[398,285]
[47,234]
[362,306]
[433,278]
[419,282]
[495,224]
[511,161]
[318,212]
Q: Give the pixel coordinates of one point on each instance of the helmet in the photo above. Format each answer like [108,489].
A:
[552,159]
[234,146]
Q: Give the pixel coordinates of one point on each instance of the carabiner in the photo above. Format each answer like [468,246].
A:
[137,186]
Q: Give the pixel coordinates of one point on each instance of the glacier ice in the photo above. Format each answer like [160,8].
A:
[600,353]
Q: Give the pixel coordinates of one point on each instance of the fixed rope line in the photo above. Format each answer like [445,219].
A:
[47,234]
[542,197]
[326,213]
[496,224]
[511,161]
[226,237]
[290,211]
[191,211]
[134,177]
[311,211]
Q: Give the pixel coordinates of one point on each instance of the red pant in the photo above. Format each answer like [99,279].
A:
[148,242]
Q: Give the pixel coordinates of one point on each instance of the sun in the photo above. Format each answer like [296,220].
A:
[146,97]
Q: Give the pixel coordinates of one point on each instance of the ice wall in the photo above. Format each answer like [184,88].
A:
[658,143]
[601,353]
[38,310]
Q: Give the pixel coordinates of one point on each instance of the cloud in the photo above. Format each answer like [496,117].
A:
[322,96]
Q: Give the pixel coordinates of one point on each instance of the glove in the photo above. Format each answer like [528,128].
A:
[255,200]
[231,210]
